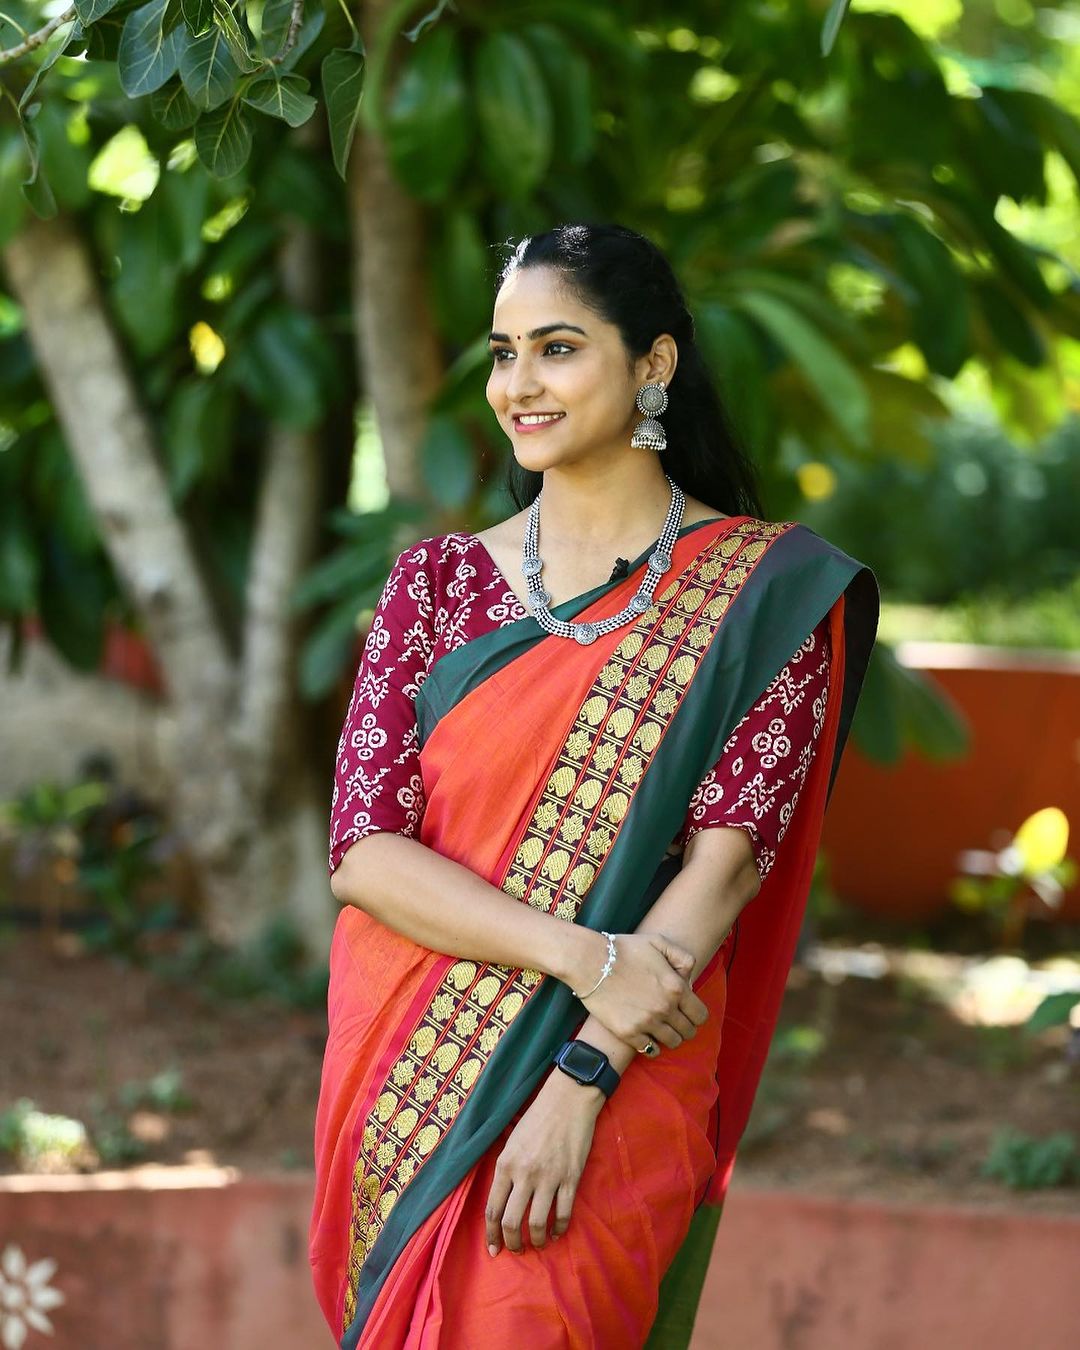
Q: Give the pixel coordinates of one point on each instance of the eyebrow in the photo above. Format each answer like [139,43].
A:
[540,332]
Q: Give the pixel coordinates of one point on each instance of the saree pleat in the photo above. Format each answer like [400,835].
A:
[559,773]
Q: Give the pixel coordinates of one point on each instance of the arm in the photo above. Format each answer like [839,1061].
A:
[545,1155]
[443,905]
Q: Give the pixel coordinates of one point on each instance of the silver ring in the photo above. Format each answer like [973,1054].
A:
[650,1048]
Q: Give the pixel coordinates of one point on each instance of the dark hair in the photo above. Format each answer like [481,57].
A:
[625,279]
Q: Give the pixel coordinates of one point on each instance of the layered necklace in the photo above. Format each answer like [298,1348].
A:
[659,562]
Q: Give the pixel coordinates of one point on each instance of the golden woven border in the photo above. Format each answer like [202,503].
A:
[574,824]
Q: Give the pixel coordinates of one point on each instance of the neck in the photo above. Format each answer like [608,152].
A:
[602,512]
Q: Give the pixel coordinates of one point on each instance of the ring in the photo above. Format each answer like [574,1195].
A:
[650,1048]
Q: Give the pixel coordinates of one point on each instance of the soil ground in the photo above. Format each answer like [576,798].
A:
[876,1087]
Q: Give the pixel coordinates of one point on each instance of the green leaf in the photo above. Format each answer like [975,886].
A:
[426,122]
[89,11]
[831,26]
[238,38]
[148,55]
[223,139]
[282,96]
[1053,1011]
[208,71]
[328,651]
[19,564]
[196,434]
[276,17]
[286,366]
[432,16]
[171,106]
[566,75]
[461,276]
[937,296]
[198,15]
[64,160]
[1006,323]
[35,187]
[13,163]
[829,373]
[448,461]
[73,34]
[513,113]
[343,89]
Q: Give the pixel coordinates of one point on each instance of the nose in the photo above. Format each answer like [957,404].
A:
[523,381]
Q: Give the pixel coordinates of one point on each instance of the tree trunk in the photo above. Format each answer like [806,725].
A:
[401,365]
[243,799]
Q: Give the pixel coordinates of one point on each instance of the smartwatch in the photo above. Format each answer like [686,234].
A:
[588,1066]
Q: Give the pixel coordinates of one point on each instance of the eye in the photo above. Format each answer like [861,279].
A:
[498,354]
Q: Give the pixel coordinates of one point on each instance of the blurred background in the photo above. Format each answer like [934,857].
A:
[247,254]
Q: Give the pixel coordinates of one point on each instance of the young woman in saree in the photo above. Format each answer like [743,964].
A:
[574,820]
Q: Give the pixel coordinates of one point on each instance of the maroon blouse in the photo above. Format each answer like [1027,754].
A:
[446,590]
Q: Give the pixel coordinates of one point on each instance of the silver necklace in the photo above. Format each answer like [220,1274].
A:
[659,563]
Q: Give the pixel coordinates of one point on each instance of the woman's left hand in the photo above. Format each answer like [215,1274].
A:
[541,1163]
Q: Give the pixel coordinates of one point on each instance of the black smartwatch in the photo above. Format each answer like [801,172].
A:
[588,1066]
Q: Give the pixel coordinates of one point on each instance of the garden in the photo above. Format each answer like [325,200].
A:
[213,445]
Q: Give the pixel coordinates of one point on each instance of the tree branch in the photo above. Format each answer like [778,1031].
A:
[38,39]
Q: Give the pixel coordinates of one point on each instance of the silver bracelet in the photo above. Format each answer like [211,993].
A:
[609,966]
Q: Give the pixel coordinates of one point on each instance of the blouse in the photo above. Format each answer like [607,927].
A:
[446,590]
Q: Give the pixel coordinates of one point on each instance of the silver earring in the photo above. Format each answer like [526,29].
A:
[651,401]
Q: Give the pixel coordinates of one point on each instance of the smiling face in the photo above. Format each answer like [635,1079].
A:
[562,382]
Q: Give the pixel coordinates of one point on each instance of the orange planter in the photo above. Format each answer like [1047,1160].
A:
[894,835]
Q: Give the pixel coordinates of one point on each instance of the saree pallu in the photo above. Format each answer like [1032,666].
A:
[559,772]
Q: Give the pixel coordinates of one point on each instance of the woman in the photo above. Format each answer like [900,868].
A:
[594,778]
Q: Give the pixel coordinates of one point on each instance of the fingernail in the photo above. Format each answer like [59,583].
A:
[492,1250]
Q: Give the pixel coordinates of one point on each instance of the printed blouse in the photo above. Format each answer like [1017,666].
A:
[447,590]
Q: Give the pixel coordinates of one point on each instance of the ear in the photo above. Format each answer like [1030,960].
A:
[660,361]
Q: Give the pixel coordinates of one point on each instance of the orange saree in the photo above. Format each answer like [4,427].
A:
[558,772]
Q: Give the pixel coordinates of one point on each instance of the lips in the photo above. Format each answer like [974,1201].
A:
[550,420]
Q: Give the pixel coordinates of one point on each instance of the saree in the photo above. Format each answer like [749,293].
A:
[559,772]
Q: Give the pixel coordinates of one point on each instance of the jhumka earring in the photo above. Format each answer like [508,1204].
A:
[651,401]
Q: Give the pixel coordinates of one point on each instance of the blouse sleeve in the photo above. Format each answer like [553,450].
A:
[377,780]
[755,784]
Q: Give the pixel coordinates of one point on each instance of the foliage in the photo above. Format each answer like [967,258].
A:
[273,966]
[1033,866]
[843,257]
[982,513]
[1048,618]
[102,842]
[40,1142]
[1025,1162]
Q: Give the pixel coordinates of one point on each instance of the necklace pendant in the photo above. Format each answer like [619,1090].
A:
[531,566]
[639,603]
[659,561]
[585,633]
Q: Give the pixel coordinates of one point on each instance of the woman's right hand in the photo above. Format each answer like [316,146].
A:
[648,995]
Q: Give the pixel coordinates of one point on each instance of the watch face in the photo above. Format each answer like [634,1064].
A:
[586,1062]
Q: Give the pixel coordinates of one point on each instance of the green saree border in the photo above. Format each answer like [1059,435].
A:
[794,585]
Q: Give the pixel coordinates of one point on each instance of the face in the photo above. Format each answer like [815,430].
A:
[562,383]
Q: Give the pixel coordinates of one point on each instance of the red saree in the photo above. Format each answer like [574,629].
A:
[559,772]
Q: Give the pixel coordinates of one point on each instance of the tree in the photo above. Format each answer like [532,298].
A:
[833,217]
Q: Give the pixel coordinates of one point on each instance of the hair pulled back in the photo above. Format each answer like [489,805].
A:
[625,279]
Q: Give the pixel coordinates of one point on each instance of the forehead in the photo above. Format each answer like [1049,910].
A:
[531,296]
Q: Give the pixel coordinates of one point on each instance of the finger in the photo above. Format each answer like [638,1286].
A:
[564,1205]
[493,1210]
[694,1008]
[538,1216]
[666,1035]
[678,958]
[681,1024]
[514,1216]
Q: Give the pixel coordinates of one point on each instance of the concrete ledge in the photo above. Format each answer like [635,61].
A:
[181,1259]
[804,1272]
